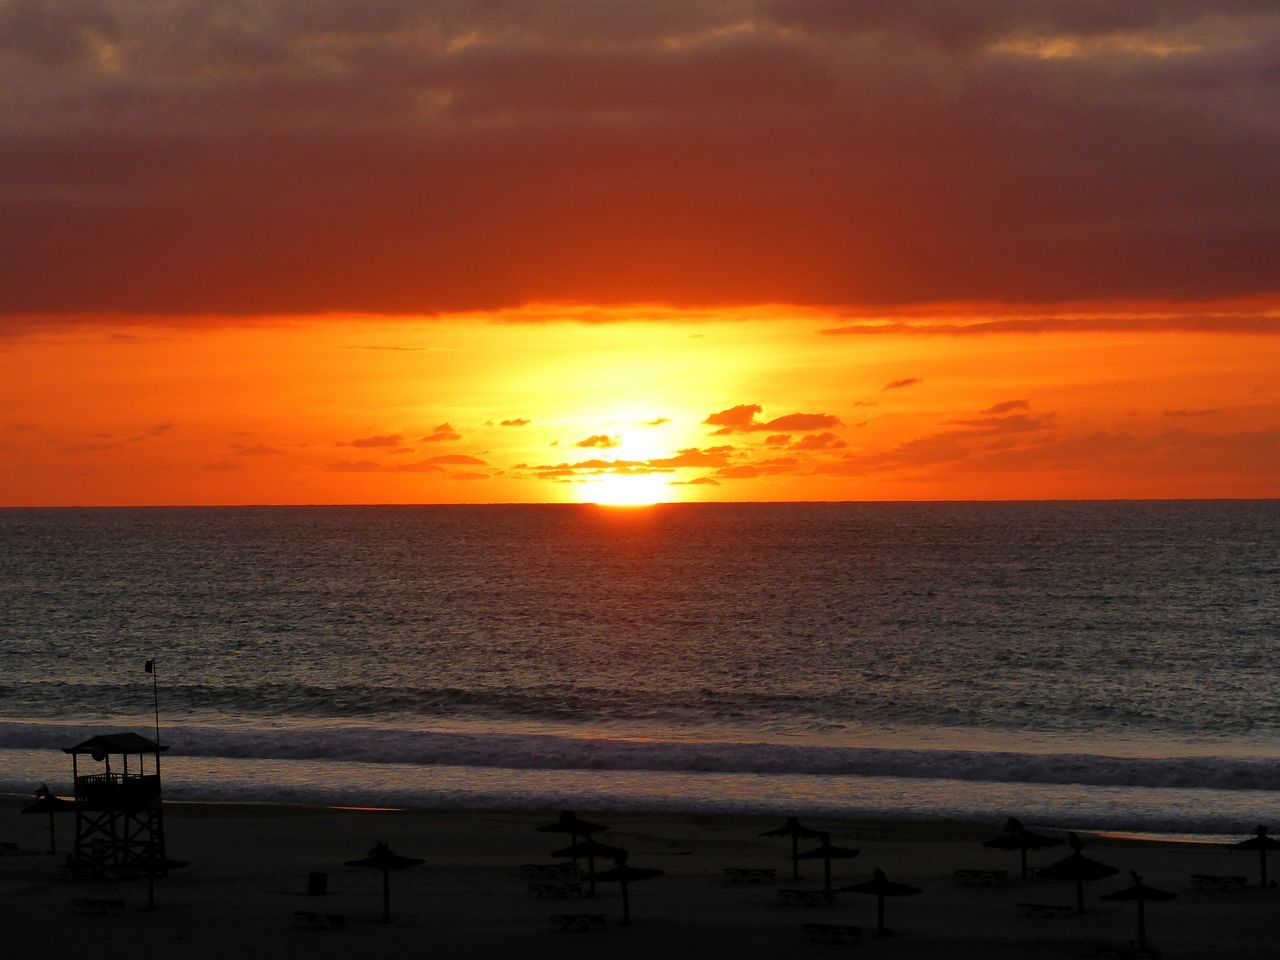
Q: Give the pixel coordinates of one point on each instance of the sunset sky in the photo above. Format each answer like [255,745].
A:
[341,251]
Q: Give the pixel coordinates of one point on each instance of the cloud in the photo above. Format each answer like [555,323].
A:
[466,475]
[381,441]
[901,384]
[223,465]
[1004,406]
[157,430]
[742,419]
[1208,412]
[444,432]
[657,422]
[24,426]
[696,482]
[602,440]
[777,439]
[1256,325]
[517,422]
[355,466]
[822,152]
[456,458]
[693,457]
[259,450]
[819,441]
[1012,423]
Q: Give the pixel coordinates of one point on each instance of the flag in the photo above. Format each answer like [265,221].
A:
[150,666]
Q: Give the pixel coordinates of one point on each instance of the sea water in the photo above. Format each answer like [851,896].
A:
[1085,664]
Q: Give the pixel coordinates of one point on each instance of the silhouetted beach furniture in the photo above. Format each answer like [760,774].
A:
[383,858]
[49,804]
[830,933]
[627,875]
[311,920]
[555,889]
[97,907]
[794,897]
[589,848]
[1046,911]
[1262,843]
[982,878]
[570,823]
[564,870]
[1127,950]
[1140,894]
[795,830]
[1017,837]
[750,874]
[880,886]
[578,922]
[1077,868]
[826,852]
[1212,882]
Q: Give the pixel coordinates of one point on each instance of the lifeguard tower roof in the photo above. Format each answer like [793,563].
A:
[116,743]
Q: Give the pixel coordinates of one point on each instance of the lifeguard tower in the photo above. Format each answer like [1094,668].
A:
[119,823]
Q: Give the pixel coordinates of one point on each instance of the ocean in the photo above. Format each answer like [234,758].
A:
[1094,664]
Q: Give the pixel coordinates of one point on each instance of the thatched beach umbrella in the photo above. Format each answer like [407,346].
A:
[1079,869]
[383,858]
[880,886]
[626,875]
[1140,893]
[795,830]
[46,802]
[1017,837]
[1262,843]
[589,848]
[827,853]
[570,823]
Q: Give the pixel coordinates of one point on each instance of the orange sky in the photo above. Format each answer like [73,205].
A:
[537,405]
[275,252]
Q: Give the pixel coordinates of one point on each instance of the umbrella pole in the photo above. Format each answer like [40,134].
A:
[1079,896]
[1023,851]
[626,905]
[795,857]
[53,845]
[1263,853]
[591,873]
[386,896]
[1142,923]
[880,915]
[826,875]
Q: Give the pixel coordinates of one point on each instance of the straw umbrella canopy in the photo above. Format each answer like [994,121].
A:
[589,848]
[1078,868]
[1262,843]
[794,829]
[1017,837]
[880,886]
[1140,893]
[570,823]
[46,802]
[383,858]
[826,852]
[626,875]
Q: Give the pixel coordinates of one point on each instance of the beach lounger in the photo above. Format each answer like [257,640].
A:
[982,878]
[310,920]
[791,897]
[750,874]
[578,922]
[556,890]
[1208,881]
[830,933]
[97,908]
[549,871]
[1046,910]
[1128,950]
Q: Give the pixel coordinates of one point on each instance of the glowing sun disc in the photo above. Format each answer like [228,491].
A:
[626,490]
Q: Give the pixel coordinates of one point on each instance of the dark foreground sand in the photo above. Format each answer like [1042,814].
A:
[250,866]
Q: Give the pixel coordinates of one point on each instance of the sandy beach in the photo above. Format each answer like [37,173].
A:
[250,864]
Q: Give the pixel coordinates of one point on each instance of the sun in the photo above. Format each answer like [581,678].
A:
[626,490]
